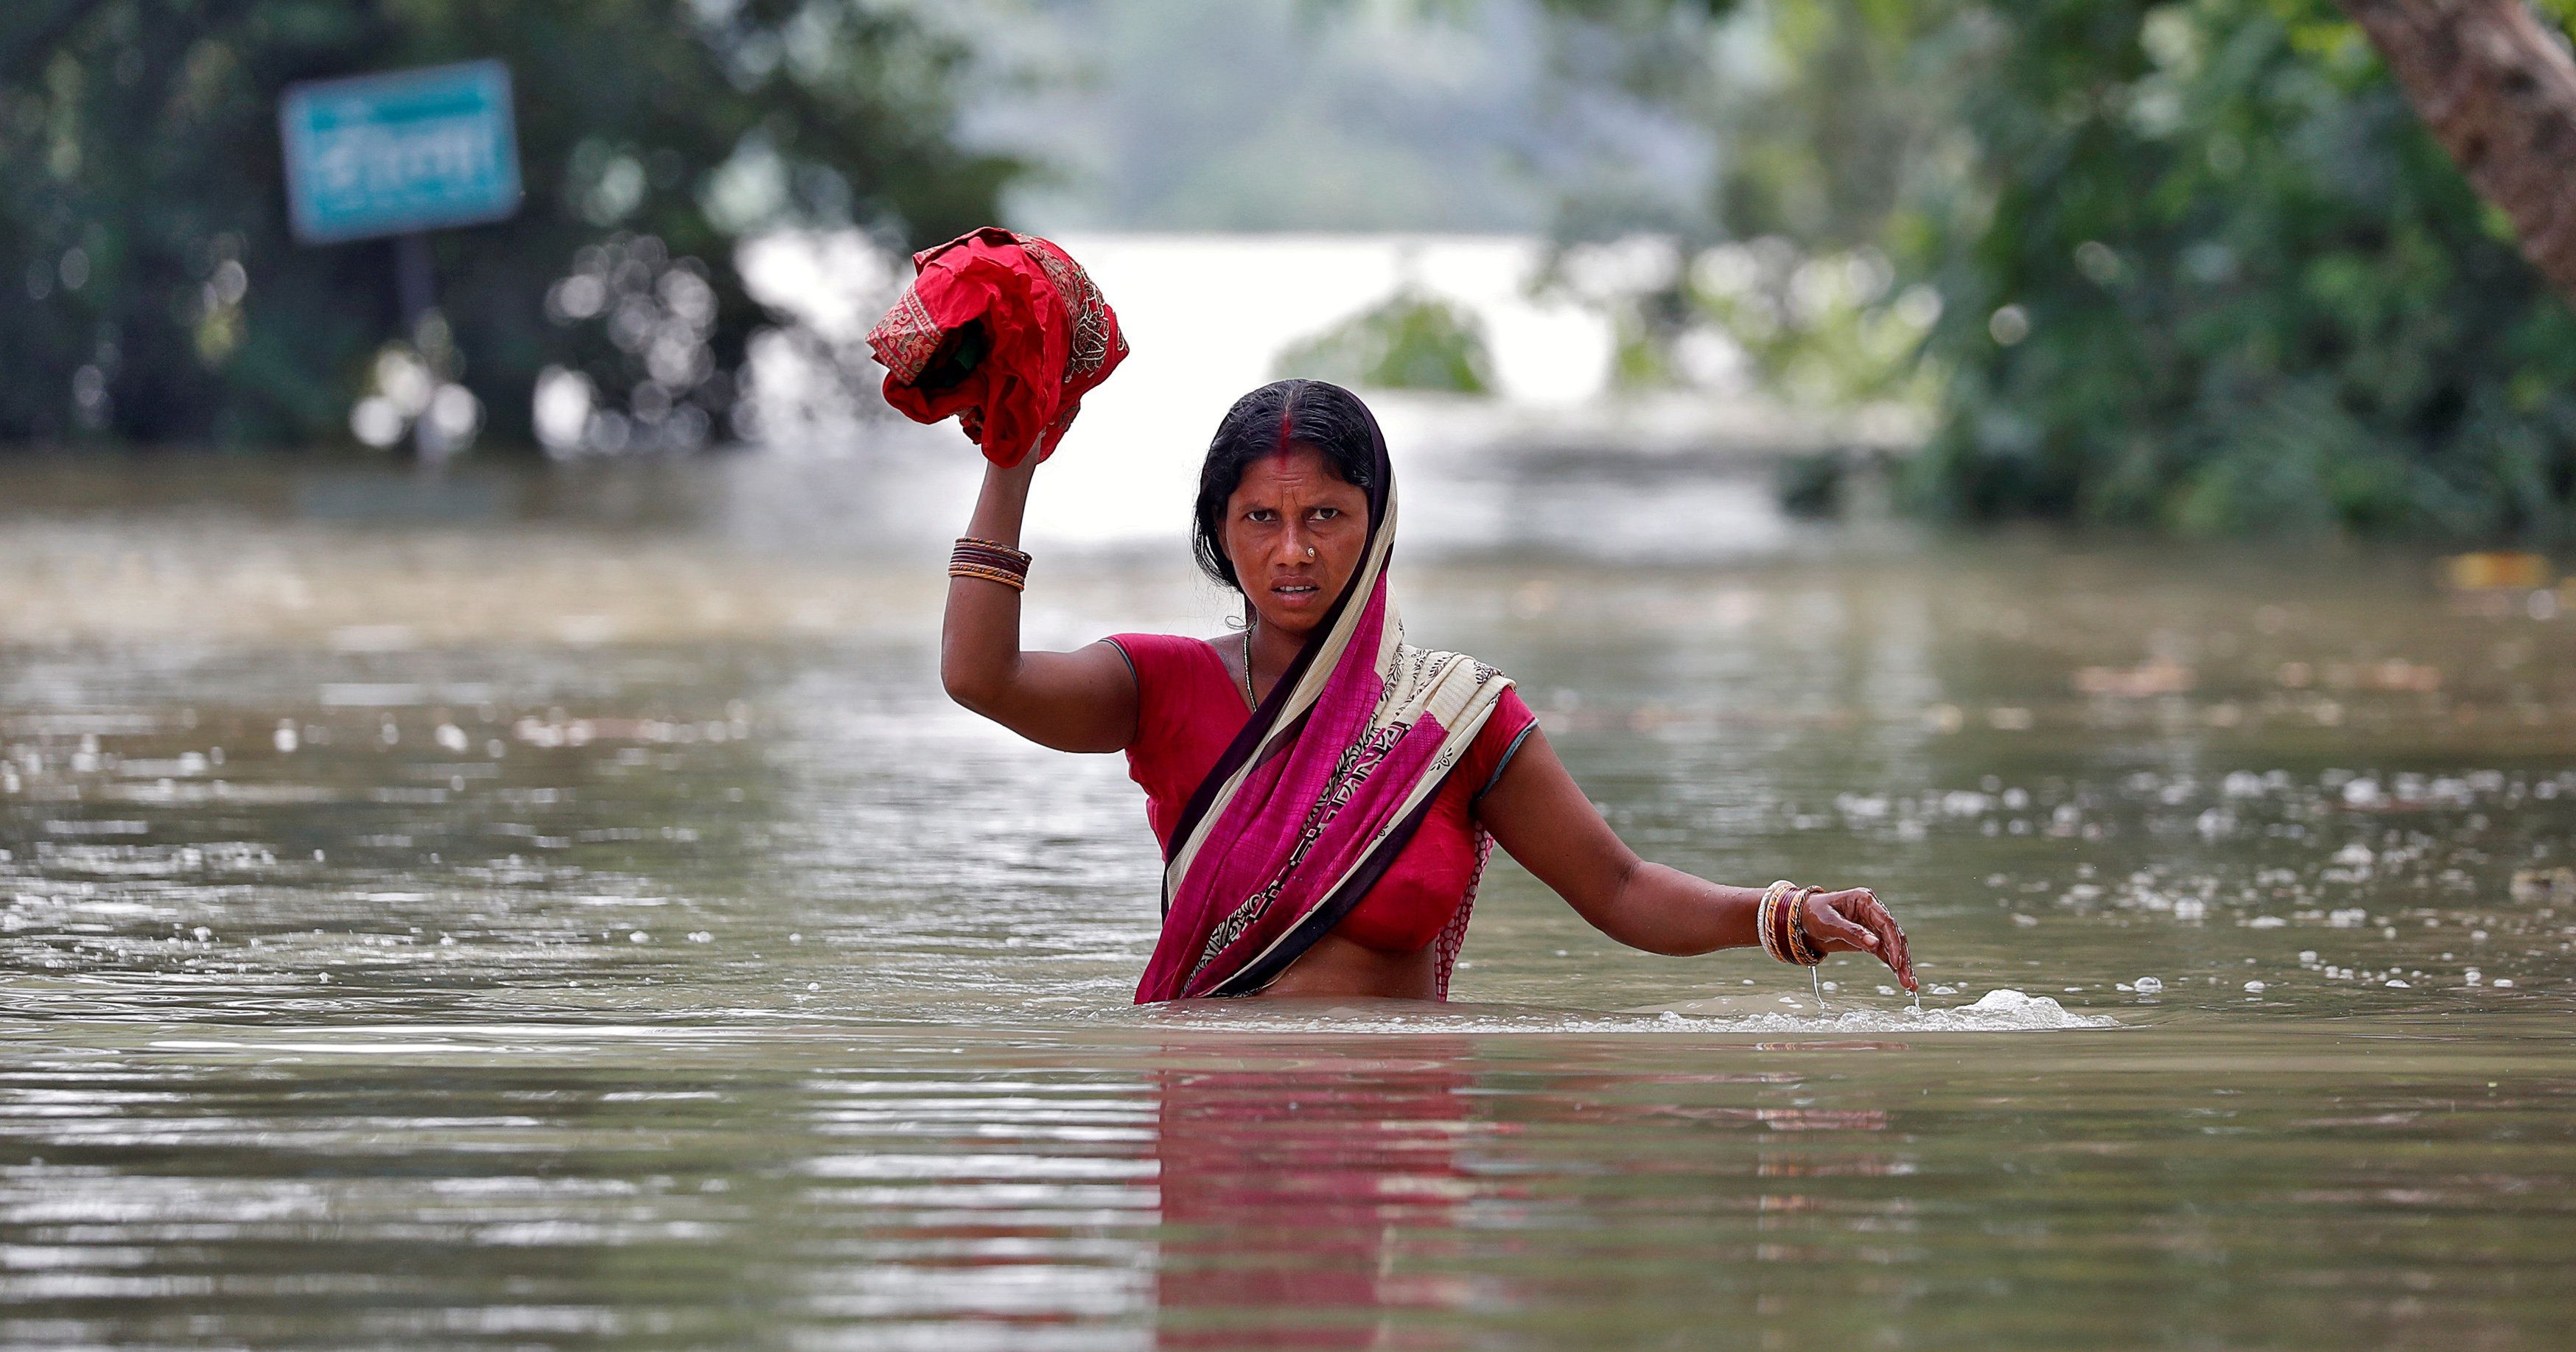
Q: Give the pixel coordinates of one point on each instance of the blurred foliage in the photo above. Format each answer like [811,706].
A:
[1824,138]
[156,295]
[1824,330]
[1821,329]
[1411,341]
[1828,135]
[2206,271]
[1822,127]
[1819,129]
[2198,266]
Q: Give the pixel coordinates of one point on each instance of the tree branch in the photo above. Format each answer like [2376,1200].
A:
[2499,92]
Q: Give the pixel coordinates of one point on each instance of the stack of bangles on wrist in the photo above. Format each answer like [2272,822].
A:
[989,561]
[1784,906]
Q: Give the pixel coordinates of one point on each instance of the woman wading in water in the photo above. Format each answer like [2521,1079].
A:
[1326,794]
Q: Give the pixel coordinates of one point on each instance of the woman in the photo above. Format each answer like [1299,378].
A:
[1325,794]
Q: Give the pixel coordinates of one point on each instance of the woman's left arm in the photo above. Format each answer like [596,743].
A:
[1540,815]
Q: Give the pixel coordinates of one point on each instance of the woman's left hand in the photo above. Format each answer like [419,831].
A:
[1854,921]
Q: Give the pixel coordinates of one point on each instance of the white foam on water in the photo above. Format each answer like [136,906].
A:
[1997,1011]
[2002,1010]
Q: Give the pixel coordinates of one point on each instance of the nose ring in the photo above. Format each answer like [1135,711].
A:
[1310,551]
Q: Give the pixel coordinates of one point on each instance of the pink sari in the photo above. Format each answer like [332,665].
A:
[1314,800]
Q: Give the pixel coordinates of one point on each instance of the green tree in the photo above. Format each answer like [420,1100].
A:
[1825,132]
[1409,341]
[2207,272]
[155,295]
[2201,267]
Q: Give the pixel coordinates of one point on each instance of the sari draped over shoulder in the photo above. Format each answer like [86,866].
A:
[1315,798]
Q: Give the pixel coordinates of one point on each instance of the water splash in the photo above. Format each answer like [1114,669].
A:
[2002,1010]
[1998,1011]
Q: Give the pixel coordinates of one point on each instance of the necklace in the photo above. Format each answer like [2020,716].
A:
[1248,696]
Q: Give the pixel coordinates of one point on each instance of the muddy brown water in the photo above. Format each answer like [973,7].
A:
[519,924]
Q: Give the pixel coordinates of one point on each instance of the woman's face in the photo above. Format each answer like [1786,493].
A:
[1293,530]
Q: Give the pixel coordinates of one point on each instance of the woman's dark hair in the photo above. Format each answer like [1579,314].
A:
[1311,412]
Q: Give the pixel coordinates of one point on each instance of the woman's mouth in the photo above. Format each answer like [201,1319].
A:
[1295,591]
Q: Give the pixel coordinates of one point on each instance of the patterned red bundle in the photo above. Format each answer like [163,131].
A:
[1003,331]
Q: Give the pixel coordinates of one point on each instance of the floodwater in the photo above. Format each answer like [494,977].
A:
[563,912]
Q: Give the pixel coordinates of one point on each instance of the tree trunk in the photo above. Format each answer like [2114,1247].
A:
[2499,91]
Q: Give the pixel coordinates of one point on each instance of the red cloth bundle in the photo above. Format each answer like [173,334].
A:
[1004,331]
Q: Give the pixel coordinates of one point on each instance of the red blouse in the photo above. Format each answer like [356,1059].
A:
[1189,708]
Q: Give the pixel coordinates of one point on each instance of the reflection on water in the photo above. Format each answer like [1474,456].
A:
[568,929]
[504,1186]
[1285,1183]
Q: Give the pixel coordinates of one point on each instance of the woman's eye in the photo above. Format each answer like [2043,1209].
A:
[1261,514]
[1325,513]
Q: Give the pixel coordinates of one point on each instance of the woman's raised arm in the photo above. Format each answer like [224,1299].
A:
[1076,701]
[1541,816]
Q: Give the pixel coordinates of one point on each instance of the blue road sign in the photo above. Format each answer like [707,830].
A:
[408,151]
